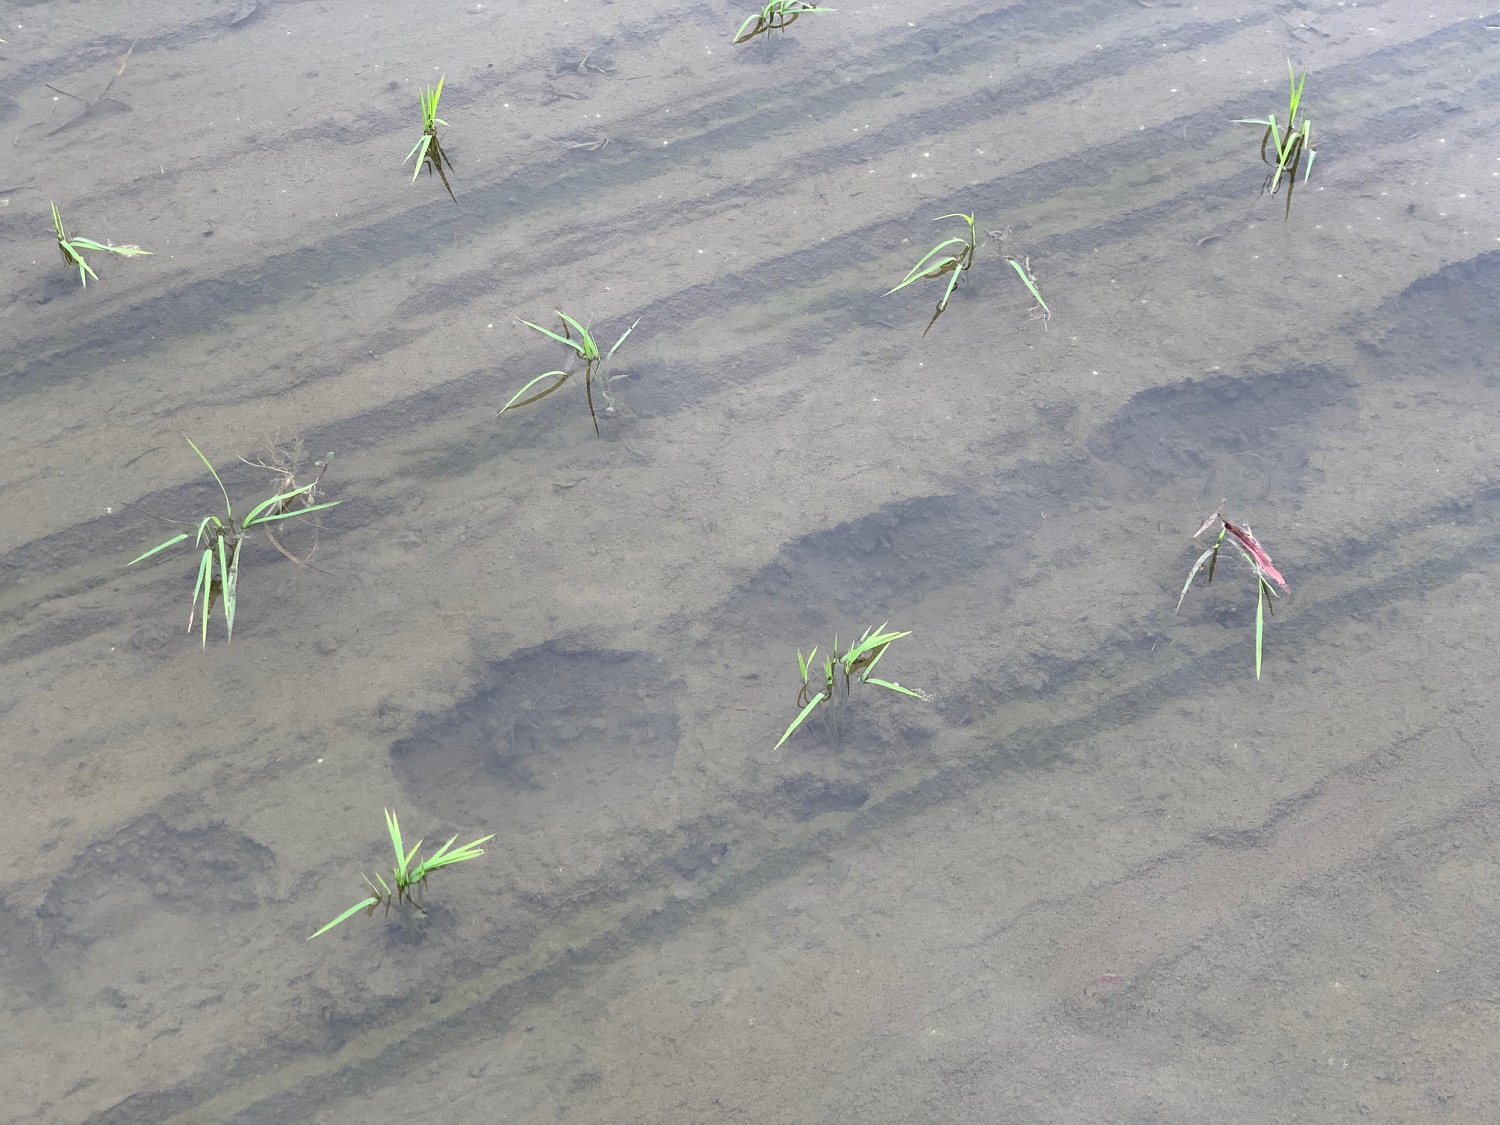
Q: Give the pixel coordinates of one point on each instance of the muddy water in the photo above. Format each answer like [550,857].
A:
[1101,874]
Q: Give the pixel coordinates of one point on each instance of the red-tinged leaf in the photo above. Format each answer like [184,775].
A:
[1257,552]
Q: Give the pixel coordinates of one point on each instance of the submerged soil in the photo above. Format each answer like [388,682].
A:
[1101,874]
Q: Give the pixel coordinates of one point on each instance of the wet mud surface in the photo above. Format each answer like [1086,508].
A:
[1100,874]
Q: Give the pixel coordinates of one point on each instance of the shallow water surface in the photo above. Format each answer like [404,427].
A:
[1099,874]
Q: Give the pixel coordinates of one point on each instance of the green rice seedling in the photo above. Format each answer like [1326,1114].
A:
[580,340]
[72,249]
[1022,266]
[951,256]
[1021,263]
[221,540]
[1290,142]
[403,892]
[1260,562]
[778,15]
[840,670]
[428,151]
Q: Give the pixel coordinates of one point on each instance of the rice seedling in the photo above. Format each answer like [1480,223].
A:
[1260,562]
[583,347]
[839,671]
[1290,142]
[1022,266]
[403,893]
[222,539]
[72,249]
[1021,263]
[951,256]
[428,151]
[778,15]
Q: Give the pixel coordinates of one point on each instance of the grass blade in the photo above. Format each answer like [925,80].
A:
[893,687]
[562,377]
[228,511]
[444,858]
[620,341]
[346,915]
[1260,622]
[229,575]
[172,542]
[1030,283]
[420,151]
[574,344]
[801,718]
[203,585]
[393,827]
[1197,566]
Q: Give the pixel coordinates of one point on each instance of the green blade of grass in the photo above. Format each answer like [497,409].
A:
[393,826]
[203,585]
[255,516]
[346,915]
[893,687]
[803,664]
[420,150]
[229,576]
[172,542]
[444,858]
[209,464]
[124,251]
[574,344]
[293,512]
[1260,623]
[1214,559]
[798,721]
[562,377]
[926,268]
[589,350]
[83,266]
[872,639]
[1295,99]
[1197,566]
[620,341]
[1030,284]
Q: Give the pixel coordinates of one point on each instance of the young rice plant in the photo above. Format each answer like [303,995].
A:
[72,248]
[951,256]
[408,879]
[1022,266]
[1290,142]
[428,151]
[839,671]
[221,541]
[1260,562]
[580,340]
[778,15]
